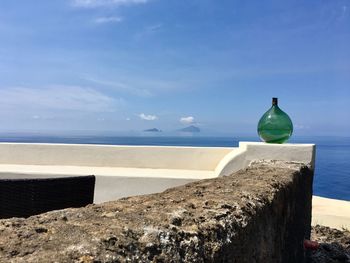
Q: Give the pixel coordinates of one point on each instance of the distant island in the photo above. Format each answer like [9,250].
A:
[153,130]
[190,129]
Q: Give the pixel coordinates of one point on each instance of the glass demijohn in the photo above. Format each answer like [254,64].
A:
[275,126]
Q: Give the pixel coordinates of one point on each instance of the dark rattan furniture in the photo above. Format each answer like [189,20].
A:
[24,197]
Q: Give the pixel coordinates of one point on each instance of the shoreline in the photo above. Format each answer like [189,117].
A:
[333,213]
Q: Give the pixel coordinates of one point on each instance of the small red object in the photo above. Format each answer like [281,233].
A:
[311,245]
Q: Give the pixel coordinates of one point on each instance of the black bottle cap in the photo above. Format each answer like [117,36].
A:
[274,101]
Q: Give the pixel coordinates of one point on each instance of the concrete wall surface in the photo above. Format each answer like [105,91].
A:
[156,157]
[220,159]
[123,171]
[252,151]
[259,214]
[331,212]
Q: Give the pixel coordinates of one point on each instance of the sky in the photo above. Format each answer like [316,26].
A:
[129,65]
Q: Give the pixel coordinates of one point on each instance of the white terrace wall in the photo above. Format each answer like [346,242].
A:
[155,157]
[253,151]
[134,170]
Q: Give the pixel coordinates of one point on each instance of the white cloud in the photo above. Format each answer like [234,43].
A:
[105,3]
[55,98]
[148,117]
[108,19]
[187,120]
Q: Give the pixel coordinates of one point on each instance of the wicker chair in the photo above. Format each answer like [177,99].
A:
[31,196]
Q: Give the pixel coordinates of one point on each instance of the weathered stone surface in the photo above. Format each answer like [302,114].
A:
[260,214]
[334,245]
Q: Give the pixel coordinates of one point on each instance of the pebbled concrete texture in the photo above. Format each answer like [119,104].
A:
[259,214]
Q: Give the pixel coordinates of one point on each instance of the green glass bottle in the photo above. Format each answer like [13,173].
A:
[275,126]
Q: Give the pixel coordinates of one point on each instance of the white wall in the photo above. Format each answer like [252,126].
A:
[252,151]
[158,157]
[132,170]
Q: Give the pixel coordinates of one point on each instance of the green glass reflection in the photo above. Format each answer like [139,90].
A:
[275,126]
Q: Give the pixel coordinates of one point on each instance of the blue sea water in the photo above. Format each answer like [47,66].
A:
[332,174]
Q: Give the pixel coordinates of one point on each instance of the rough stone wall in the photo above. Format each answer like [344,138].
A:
[260,214]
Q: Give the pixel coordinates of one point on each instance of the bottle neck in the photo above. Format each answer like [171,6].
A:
[274,101]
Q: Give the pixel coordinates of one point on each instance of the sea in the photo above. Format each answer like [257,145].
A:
[332,173]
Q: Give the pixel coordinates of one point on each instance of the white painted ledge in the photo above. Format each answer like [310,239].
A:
[155,157]
[330,212]
[44,170]
[132,170]
[253,151]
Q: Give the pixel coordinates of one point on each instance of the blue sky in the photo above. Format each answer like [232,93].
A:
[120,65]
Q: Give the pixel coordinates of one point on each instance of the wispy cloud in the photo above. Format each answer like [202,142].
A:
[344,12]
[56,98]
[105,3]
[120,86]
[108,19]
[36,117]
[148,117]
[154,28]
[187,120]
[148,31]
[301,127]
